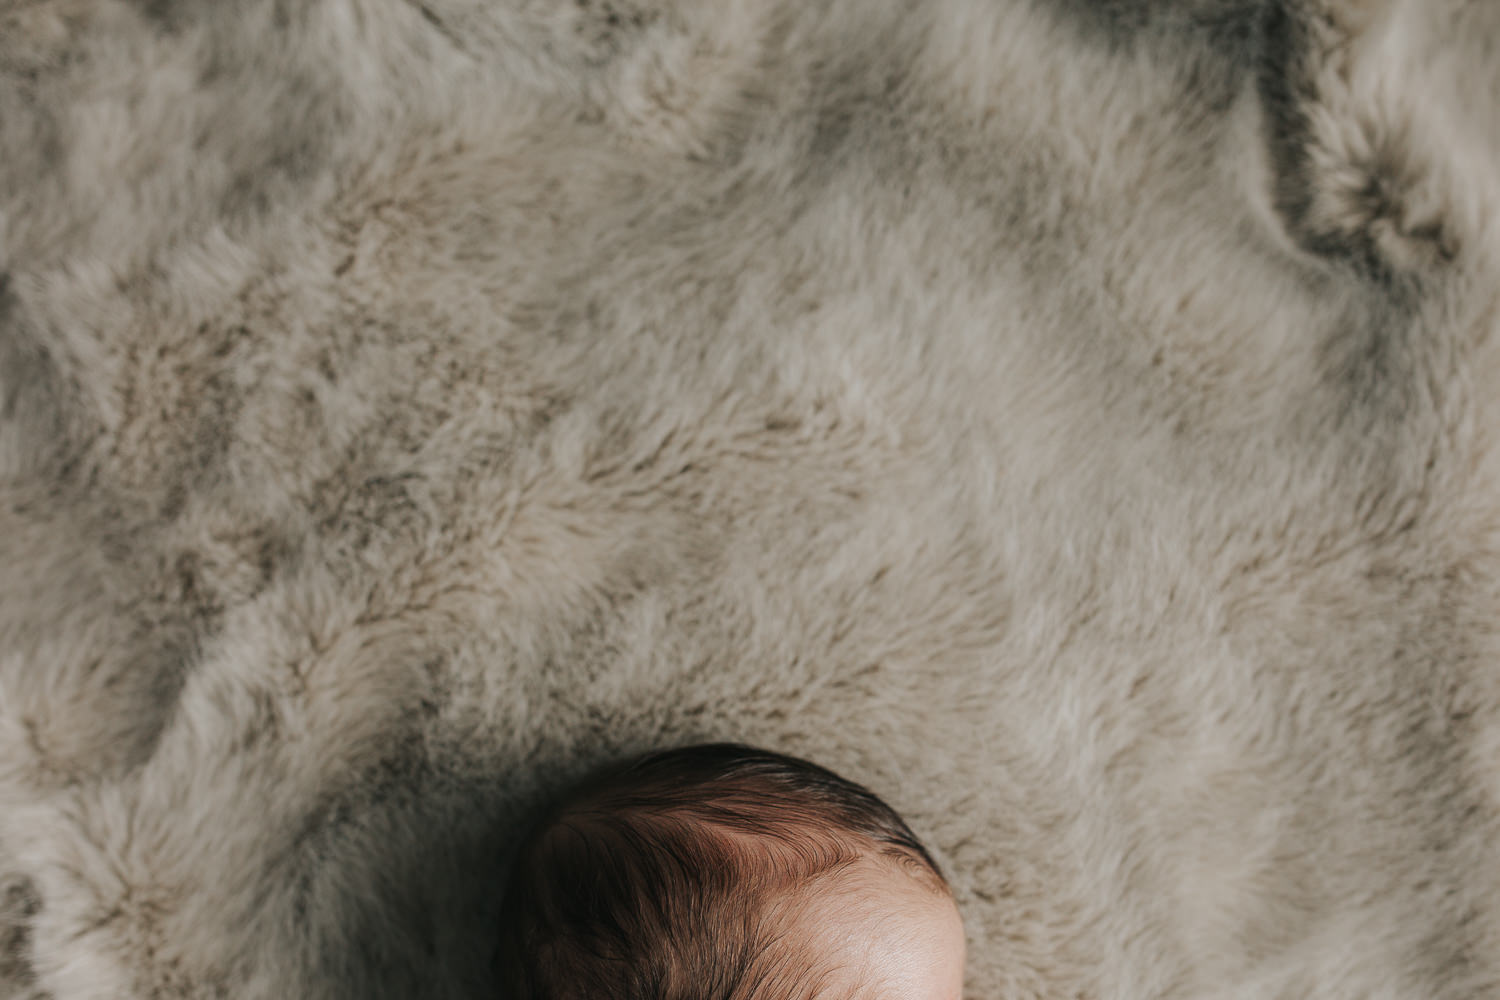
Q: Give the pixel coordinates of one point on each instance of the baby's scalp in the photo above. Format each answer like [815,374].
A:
[715,871]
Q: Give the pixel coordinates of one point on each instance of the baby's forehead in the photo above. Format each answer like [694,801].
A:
[877,923]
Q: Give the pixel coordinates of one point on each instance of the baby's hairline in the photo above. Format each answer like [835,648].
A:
[759,845]
[692,844]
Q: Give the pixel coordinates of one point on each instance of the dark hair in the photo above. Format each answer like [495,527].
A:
[659,879]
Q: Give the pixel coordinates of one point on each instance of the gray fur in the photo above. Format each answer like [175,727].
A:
[1074,420]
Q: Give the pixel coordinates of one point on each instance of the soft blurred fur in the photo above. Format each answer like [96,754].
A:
[1076,418]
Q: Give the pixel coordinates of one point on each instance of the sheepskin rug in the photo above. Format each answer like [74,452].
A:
[1079,420]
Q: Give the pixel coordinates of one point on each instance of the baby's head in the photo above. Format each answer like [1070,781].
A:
[723,872]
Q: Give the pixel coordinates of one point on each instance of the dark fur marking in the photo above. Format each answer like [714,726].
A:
[19,904]
[1289,58]
[1227,25]
[437,23]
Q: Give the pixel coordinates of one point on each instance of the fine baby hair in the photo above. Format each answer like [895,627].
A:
[697,873]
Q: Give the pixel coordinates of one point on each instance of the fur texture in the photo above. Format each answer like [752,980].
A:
[1075,419]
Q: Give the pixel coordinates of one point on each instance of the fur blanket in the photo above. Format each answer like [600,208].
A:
[1076,419]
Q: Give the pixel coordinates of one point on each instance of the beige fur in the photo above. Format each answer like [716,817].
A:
[1075,419]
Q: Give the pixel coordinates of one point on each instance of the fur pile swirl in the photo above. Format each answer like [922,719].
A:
[1078,420]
